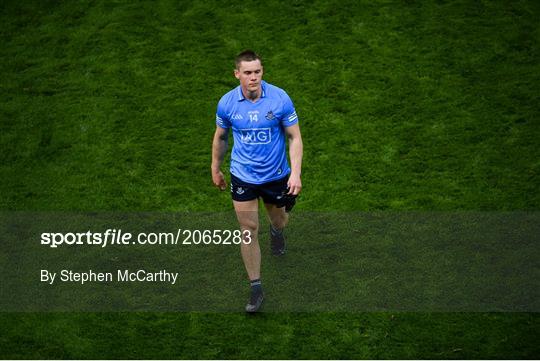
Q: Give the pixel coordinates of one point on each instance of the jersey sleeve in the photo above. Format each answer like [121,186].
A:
[222,119]
[289,113]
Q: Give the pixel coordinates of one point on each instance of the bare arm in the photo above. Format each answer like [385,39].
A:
[219,148]
[296,149]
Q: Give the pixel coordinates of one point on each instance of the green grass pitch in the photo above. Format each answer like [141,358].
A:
[403,105]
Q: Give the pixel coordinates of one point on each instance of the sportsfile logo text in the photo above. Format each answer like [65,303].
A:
[118,237]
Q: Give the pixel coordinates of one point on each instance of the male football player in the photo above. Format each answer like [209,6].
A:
[261,117]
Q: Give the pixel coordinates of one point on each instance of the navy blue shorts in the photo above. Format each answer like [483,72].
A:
[271,192]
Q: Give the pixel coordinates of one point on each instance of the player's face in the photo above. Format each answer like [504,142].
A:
[250,75]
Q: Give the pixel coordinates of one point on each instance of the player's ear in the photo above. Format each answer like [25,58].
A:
[237,74]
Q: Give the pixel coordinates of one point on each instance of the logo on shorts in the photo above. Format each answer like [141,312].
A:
[255,136]
[270,115]
[240,190]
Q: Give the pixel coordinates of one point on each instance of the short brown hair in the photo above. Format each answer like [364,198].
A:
[246,55]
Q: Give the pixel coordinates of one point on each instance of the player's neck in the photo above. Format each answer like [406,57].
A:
[252,96]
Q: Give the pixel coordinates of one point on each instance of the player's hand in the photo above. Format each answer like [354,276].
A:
[219,180]
[294,184]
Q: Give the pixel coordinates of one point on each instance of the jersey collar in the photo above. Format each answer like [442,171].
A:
[241,95]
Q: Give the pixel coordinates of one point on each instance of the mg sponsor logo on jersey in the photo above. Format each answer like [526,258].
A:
[256,136]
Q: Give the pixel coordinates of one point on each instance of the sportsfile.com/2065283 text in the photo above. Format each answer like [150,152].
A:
[183,237]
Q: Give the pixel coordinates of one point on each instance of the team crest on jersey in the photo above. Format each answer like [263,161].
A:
[270,115]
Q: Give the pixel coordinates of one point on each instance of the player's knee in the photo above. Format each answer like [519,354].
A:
[249,235]
[280,220]
[251,226]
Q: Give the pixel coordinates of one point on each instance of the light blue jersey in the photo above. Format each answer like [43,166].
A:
[258,155]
